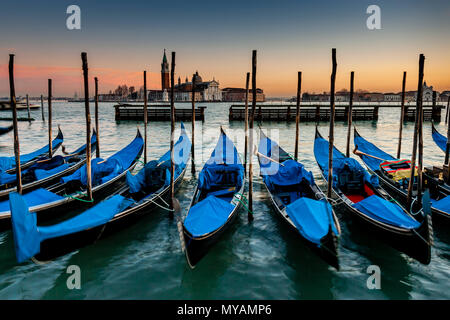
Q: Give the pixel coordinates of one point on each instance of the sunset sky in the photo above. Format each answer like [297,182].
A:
[122,38]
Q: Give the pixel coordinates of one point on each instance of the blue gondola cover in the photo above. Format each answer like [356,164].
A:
[207,215]
[7,163]
[439,139]
[442,204]
[312,218]
[385,211]
[28,236]
[33,198]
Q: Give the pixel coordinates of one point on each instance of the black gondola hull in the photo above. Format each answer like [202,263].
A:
[55,247]
[197,248]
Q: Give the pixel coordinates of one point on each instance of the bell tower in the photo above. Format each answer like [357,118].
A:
[164,73]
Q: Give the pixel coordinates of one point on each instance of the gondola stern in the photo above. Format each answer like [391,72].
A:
[329,248]
[27,240]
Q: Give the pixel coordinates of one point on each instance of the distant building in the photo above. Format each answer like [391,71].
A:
[392,97]
[238,95]
[204,90]
[443,97]
[428,93]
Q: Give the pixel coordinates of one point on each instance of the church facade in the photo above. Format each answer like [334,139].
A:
[204,90]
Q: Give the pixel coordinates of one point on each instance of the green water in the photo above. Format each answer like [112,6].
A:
[258,260]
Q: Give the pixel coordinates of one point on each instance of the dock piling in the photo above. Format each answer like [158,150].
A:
[97,150]
[415,134]
[402,116]
[193,126]
[145,117]
[247,81]
[88,125]
[297,113]
[252,120]
[12,94]
[50,147]
[350,113]
[331,134]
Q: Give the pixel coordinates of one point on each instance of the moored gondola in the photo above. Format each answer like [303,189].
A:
[394,175]
[373,206]
[147,190]
[68,194]
[216,200]
[46,172]
[298,200]
[5,130]
[438,138]
[7,164]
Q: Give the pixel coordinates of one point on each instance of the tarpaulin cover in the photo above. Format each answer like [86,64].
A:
[443,204]
[182,149]
[30,172]
[27,236]
[340,163]
[289,173]
[42,174]
[219,168]
[33,198]
[7,163]
[385,211]
[207,215]
[7,178]
[103,171]
[312,218]
[369,148]
[439,139]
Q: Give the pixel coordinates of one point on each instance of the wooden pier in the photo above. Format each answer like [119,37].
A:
[156,113]
[321,112]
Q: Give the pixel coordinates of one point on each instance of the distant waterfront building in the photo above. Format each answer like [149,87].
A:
[238,95]
[204,90]
[443,97]
[165,83]
[392,97]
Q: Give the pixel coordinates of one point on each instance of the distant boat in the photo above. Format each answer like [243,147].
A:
[6,105]
[4,130]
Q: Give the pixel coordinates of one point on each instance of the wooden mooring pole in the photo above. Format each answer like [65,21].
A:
[42,107]
[12,94]
[350,113]
[172,133]
[97,150]
[252,120]
[50,147]
[448,110]
[415,134]
[402,116]
[247,81]
[145,117]
[193,126]
[297,113]
[88,125]
[331,134]
[28,108]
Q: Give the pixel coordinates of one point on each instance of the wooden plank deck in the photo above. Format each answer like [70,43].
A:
[322,113]
[156,113]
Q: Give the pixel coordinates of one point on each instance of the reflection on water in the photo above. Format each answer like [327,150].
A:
[261,259]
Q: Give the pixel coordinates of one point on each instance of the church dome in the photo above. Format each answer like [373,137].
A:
[197,78]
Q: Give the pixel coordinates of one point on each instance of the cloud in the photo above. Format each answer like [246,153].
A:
[68,80]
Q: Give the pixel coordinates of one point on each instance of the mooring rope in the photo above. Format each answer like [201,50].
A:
[77,198]
[243,200]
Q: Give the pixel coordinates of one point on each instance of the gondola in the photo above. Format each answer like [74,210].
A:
[69,193]
[147,190]
[439,139]
[216,200]
[298,200]
[396,182]
[373,206]
[7,164]
[5,130]
[46,172]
